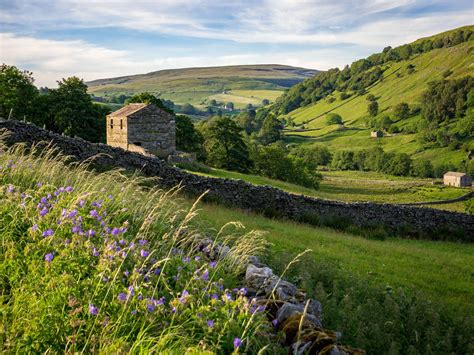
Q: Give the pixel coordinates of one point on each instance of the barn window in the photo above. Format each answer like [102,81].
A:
[111,123]
[121,124]
[138,143]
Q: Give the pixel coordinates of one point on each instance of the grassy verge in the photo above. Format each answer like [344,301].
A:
[393,294]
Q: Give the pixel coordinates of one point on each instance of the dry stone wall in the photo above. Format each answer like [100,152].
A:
[410,220]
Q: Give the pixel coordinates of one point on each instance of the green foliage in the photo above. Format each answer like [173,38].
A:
[17,92]
[423,168]
[312,156]
[188,139]
[273,161]
[271,130]
[373,108]
[343,160]
[333,118]
[98,264]
[148,98]
[401,111]
[224,144]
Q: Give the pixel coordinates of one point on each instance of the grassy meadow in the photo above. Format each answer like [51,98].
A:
[102,263]
[242,84]
[361,186]
[398,85]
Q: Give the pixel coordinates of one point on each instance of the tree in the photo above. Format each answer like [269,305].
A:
[188,139]
[371,97]
[312,156]
[373,108]
[224,144]
[401,110]
[213,102]
[148,98]
[398,164]
[229,106]
[333,118]
[343,160]
[188,109]
[422,168]
[17,92]
[72,112]
[265,102]
[271,130]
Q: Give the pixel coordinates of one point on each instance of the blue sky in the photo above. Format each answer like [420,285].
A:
[96,39]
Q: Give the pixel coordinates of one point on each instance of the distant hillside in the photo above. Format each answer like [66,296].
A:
[398,75]
[241,84]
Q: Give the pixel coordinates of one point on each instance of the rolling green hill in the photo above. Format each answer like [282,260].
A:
[242,84]
[402,81]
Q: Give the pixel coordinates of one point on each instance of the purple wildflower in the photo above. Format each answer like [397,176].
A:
[69,189]
[95,252]
[72,214]
[197,258]
[49,257]
[10,189]
[34,228]
[115,231]
[275,322]
[134,312]
[39,184]
[82,203]
[212,264]
[48,233]
[173,310]
[44,211]
[67,241]
[186,260]
[237,342]
[93,310]
[150,307]
[94,213]
[157,271]
[205,275]
[131,290]
[210,323]
[142,241]
[243,291]
[215,296]
[90,233]
[43,200]
[76,229]
[144,253]
[122,296]
[121,242]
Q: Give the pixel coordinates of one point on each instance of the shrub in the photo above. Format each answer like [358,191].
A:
[422,168]
[333,118]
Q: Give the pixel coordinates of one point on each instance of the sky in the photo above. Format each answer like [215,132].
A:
[100,39]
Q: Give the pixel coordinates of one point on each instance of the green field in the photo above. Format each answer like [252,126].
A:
[397,86]
[441,270]
[352,186]
[243,84]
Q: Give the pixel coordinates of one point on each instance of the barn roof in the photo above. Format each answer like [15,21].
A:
[454,174]
[128,110]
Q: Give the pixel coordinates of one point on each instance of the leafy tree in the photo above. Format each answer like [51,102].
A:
[333,118]
[343,160]
[148,98]
[274,162]
[312,156]
[71,111]
[385,123]
[265,102]
[271,130]
[373,108]
[246,120]
[17,92]
[224,144]
[249,107]
[422,168]
[371,97]
[398,164]
[188,109]
[401,110]
[230,106]
[188,139]
[213,102]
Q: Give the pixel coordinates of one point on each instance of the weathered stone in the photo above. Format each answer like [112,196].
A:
[315,308]
[300,348]
[289,309]
[284,290]
[255,277]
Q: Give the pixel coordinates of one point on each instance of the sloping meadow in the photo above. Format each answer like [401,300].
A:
[97,262]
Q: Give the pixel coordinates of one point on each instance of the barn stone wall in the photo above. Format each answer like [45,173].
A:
[419,221]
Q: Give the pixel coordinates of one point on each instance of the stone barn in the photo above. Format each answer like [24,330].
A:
[376,134]
[456,179]
[143,128]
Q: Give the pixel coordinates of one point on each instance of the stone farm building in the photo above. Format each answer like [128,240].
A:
[456,179]
[143,128]
[376,134]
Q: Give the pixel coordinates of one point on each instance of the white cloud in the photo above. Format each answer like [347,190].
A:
[53,60]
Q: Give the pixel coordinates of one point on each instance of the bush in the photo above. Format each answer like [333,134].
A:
[422,168]
[343,160]
[333,118]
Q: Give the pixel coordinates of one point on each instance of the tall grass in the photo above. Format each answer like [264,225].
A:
[98,263]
